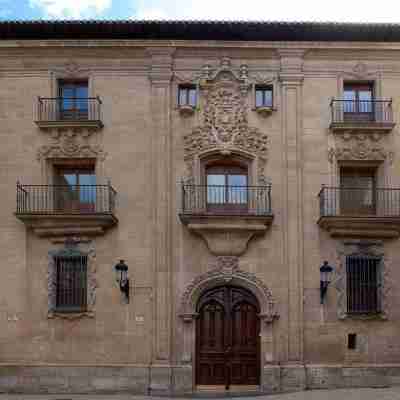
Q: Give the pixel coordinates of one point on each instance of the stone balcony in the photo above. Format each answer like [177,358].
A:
[62,210]
[226,217]
[360,212]
[374,116]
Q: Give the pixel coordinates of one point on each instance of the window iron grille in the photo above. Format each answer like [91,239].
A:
[363,284]
[71,281]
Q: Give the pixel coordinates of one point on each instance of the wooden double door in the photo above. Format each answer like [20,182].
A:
[228,338]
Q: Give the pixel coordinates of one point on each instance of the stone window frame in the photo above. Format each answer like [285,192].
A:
[360,248]
[72,248]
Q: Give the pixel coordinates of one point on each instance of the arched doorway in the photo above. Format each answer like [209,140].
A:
[228,338]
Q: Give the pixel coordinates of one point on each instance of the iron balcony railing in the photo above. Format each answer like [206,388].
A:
[65,199]
[226,200]
[361,111]
[52,109]
[351,201]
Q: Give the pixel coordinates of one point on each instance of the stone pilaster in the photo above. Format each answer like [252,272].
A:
[160,74]
[291,79]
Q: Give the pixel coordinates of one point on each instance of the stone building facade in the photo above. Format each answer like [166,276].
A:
[224,163]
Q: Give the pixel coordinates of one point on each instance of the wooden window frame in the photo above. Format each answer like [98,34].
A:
[226,167]
[76,167]
[367,170]
[75,112]
[358,113]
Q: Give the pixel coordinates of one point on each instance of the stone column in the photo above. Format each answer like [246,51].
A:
[291,78]
[160,75]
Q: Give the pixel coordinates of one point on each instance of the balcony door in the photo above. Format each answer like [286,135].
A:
[358,191]
[227,188]
[75,189]
[358,102]
[73,100]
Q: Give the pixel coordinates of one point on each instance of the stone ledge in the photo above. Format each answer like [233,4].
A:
[361,226]
[54,225]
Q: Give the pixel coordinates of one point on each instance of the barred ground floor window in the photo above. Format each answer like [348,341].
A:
[71,283]
[363,279]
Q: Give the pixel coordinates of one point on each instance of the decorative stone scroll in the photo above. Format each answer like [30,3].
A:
[69,144]
[72,248]
[361,147]
[367,248]
[224,125]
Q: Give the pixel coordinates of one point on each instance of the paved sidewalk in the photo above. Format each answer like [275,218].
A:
[339,394]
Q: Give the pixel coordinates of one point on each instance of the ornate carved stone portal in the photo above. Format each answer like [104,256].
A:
[226,271]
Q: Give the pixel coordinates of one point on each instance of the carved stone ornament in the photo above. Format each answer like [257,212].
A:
[72,248]
[224,126]
[69,144]
[70,69]
[226,270]
[367,248]
[360,146]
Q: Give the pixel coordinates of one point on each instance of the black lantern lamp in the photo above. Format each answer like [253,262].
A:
[121,271]
[325,279]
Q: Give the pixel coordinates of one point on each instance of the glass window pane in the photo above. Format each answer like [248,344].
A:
[259,98]
[349,104]
[216,189]
[192,97]
[82,101]
[237,190]
[365,97]
[237,180]
[268,98]
[87,192]
[183,95]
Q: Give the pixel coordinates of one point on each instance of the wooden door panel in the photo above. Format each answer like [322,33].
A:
[227,341]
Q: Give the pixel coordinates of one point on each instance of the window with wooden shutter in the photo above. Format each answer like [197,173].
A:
[363,284]
[71,283]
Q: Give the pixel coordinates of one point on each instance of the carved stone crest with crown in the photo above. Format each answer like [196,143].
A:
[224,123]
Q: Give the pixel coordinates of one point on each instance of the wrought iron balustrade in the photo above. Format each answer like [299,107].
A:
[54,109]
[352,201]
[65,199]
[361,111]
[226,200]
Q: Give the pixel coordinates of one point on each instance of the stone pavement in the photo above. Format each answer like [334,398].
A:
[339,394]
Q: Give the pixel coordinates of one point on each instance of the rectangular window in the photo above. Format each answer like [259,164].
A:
[363,276]
[187,95]
[71,281]
[358,101]
[73,99]
[264,96]
[75,188]
[358,191]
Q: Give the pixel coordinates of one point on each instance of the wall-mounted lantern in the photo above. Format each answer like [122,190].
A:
[325,279]
[121,272]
